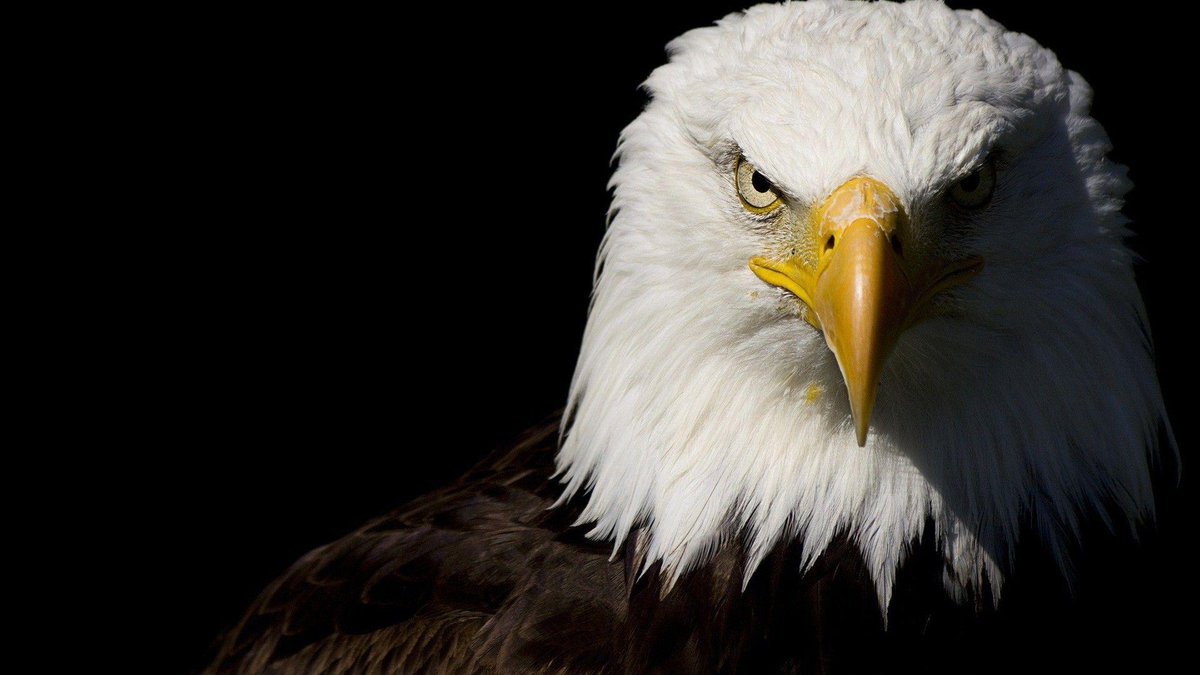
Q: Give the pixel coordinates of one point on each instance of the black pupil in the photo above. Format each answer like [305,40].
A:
[760,182]
[969,183]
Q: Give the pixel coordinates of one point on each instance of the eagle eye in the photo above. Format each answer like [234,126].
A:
[975,189]
[756,192]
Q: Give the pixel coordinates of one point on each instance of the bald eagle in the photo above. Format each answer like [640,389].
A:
[863,322]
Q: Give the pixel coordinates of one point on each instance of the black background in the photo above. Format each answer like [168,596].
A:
[353,337]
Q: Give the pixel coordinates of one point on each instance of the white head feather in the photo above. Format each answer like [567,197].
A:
[693,399]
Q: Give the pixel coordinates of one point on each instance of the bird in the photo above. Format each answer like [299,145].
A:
[864,327]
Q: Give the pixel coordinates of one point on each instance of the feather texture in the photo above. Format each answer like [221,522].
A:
[706,507]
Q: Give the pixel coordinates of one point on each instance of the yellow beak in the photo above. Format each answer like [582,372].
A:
[862,290]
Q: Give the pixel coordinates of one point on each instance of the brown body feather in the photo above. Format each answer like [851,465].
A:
[485,577]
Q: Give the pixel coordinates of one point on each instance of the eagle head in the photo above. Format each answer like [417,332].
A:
[864,269]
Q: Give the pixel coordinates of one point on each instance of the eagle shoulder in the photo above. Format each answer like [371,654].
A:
[479,577]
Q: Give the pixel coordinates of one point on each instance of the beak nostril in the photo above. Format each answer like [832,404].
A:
[830,242]
[897,246]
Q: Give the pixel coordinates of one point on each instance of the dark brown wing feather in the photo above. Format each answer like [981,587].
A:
[464,580]
[484,577]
